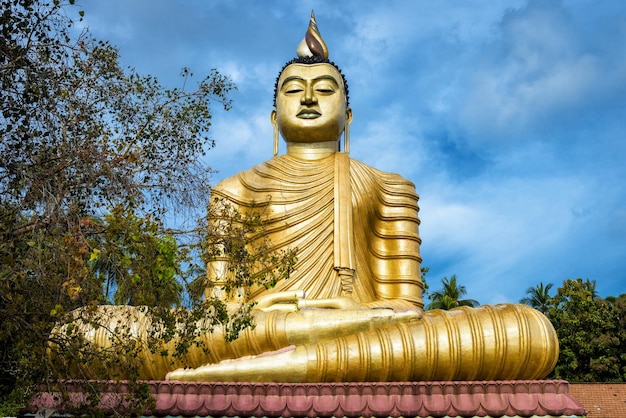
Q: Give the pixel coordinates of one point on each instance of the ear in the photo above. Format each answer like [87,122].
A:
[275,125]
[346,131]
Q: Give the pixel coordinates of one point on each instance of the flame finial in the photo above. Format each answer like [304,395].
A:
[312,44]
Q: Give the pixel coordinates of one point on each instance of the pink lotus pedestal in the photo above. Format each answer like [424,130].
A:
[352,399]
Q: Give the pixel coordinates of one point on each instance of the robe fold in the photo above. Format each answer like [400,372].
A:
[301,202]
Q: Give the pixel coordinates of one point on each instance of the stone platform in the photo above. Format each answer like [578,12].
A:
[537,398]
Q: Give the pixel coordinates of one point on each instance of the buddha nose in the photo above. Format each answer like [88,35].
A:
[309,96]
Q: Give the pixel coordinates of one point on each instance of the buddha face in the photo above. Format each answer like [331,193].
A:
[311,103]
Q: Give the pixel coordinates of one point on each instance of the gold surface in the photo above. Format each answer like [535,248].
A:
[311,104]
[356,285]
[356,230]
[301,210]
[485,343]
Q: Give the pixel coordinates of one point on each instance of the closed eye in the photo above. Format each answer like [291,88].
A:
[324,87]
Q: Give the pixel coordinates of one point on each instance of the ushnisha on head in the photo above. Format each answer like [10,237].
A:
[311,100]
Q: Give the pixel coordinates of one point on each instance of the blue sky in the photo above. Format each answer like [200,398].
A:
[509,116]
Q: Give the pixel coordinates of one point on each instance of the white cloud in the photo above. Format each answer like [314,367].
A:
[241,142]
[536,71]
[494,229]
[391,142]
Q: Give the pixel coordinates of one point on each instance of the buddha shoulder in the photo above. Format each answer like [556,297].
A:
[253,184]
[391,182]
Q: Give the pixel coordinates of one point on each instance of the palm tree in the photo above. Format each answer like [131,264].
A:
[592,289]
[539,297]
[450,296]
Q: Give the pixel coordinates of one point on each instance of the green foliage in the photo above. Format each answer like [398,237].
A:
[450,296]
[591,334]
[240,239]
[136,260]
[423,272]
[539,297]
[242,262]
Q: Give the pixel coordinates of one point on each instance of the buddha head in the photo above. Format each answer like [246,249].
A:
[311,95]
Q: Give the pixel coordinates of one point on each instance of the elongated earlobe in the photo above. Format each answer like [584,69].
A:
[346,131]
[273,119]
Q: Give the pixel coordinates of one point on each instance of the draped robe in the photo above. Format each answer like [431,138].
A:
[340,214]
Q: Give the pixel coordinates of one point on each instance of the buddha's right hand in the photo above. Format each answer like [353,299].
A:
[295,300]
[283,301]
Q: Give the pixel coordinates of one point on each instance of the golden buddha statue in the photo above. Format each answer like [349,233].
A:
[357,290]
[351,309]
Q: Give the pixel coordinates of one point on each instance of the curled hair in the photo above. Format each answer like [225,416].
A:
[308,61]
